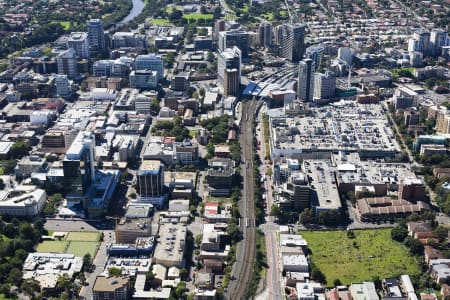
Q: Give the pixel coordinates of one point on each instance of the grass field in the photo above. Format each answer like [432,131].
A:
[160,22]
[65,24]
[370,253]
[81,248]
[52,246]
[83,236]
[192,133]
[78,243]
[197,16]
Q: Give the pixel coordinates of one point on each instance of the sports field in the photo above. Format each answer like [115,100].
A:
[371,253]
[78,243]
[81,248]
[52,246]
[82,236]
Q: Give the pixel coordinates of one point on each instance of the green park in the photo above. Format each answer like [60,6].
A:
[363,255]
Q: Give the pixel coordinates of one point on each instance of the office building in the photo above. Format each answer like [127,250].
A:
[438,39]
[143,79]
[102,68]
[305,87]
[180,82]
[324,85]
[220,176]
[128,40]
[22,200]
[79,42]
[229,39]
[186,152]
[150,62]
[229,71]
[96,35]
[420,42]
[171,245]
[128,230]
[150,182]
[412,189]
[78,167]
[219,26]
[63,86]
[346,54]
[415,58]
[66,62]
[265,35]
[111,288]
[296,193]
[315,53]
[292,41]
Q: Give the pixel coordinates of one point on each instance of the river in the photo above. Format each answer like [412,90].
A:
[138,6]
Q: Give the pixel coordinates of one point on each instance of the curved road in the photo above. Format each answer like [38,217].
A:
[245,255]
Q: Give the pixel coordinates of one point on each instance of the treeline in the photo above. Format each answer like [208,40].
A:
[17,239]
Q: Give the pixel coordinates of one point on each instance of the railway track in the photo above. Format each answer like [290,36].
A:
[245,268]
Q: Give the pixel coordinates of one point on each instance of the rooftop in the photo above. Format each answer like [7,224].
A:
[344,125]
[109,284]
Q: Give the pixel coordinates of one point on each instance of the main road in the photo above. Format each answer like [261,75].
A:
[245,253]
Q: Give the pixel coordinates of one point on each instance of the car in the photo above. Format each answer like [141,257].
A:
[82,227]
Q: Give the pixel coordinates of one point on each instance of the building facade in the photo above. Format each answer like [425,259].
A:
[96,35]
[305,87]
[229,70]
[292,41]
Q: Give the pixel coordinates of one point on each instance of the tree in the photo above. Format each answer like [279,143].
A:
[317,275]
[441,232]
[19,149]
[399,233]
[233,231]
[275,210]
[307,216]
[184,273]
[175,15]
[14,276]
[154,106]
[337,282]
[87,262]
[8,166]
[415,246]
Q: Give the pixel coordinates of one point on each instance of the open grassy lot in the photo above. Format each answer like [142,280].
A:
[65,24]
[81,248]
[371,253]
[83,236]
[52,246]
[197,16]
[160,22]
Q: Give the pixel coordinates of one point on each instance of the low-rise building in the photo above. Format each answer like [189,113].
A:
[171,245]
[111,288]
[46,268]
[294,263]
[128,230]
[364,291]
[22,200]
[383,208]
